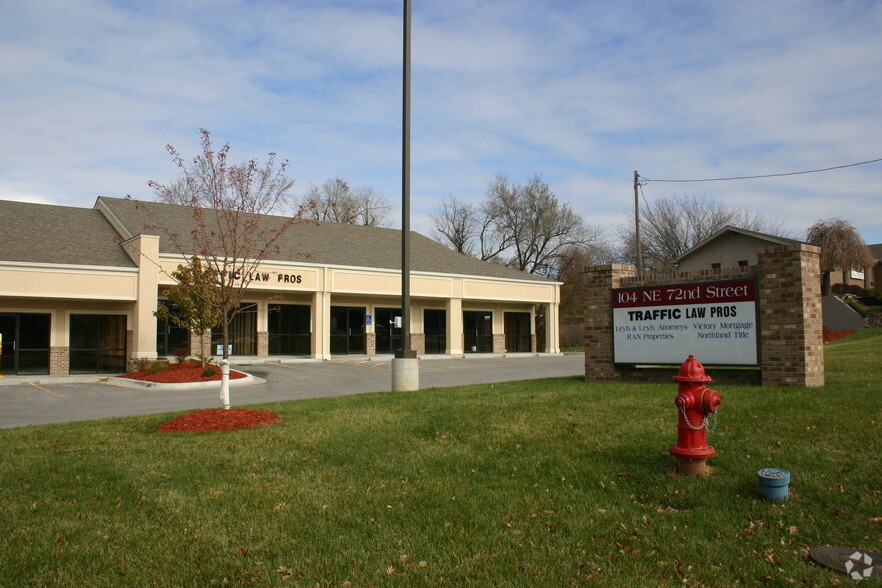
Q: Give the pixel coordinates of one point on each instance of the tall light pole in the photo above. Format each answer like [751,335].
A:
[405,366]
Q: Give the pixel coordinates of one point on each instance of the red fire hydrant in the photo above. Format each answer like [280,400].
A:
[695,402]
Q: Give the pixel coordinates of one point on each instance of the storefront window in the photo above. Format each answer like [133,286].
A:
[169,336]
[288,326]
[97,343]
[242,334]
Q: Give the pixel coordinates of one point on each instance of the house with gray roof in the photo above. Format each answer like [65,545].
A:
[728,247]
[78,289]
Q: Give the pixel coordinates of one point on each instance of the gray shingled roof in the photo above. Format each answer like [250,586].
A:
[41,233]
[325,244]
[776,239]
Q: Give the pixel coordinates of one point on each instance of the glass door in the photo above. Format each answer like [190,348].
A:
[347,330]
[169,336]
[9,340]
[435,329]
[25,340]
[388,335]
[288,327]
[518,337]
[477,330]
[97,343]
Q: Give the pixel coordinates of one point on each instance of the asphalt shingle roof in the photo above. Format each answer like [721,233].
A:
[325,243]
[41,233]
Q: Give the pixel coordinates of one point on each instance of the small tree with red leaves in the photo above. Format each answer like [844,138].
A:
[231,232]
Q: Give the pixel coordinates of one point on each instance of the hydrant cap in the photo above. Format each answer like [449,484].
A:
[692,371]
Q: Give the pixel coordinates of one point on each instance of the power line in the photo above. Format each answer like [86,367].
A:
[810,171]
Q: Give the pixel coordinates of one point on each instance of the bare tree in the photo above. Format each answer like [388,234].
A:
[672,225]
[229,231]
[537,227]
[842,248]
[469,229]
[335,201]
[521,225]
[456,224]
[571,271]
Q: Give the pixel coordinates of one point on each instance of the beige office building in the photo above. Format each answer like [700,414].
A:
[78,289]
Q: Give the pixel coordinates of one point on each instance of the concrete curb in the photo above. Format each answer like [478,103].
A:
[248,380]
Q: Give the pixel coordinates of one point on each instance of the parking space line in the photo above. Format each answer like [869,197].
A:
[370,364]
[291,367]
[45,390]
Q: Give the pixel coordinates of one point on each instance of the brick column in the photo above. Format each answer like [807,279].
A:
[600,282]
[789,284]
[59,361]
[196,349]
[370,343]
[418,343]
[498,343]
[131,360]
[262,344]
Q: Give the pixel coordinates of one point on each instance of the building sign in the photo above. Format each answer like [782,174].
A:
[715,322]
[262,276]
[857,274]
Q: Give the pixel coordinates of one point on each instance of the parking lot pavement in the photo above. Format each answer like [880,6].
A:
[56,400]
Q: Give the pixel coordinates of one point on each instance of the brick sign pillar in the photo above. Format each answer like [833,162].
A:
[598,319]
[792,339]
[788,296]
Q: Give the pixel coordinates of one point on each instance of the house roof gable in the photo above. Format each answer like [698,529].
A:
[729,229]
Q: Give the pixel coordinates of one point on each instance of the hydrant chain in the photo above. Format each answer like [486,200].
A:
[703,424]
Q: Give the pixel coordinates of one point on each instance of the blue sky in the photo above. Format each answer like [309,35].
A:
[581,92]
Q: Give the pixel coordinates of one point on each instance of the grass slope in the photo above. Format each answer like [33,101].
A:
[544,483]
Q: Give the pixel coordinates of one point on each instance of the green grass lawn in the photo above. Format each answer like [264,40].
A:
[541,483]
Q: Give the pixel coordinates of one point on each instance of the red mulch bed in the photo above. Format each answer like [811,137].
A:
[219,420]
[834,335]
[179,373]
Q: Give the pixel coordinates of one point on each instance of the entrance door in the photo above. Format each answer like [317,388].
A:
[435,329]
[25,344]
[518,337]
[388,335]
[347,330]
[477,330]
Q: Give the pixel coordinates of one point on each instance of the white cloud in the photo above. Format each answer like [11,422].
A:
[583,93]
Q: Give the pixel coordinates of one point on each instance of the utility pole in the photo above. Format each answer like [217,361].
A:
[405,366]
[637,225]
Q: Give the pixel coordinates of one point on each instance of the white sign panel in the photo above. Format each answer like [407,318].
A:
[715,322]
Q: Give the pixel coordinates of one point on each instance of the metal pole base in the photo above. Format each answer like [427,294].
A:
[405,374]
